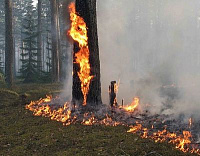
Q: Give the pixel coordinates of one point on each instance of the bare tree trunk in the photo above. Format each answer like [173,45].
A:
[39,39]
[14,59]
[43,54]
[9,51]
[87,10]
[59,39]
[54,33]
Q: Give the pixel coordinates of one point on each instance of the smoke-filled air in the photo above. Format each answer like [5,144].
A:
[152,47]
[100,77]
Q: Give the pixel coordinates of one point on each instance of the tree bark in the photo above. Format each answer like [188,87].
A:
[87,10]
[14,59]
[59,39]
[54,33]
[39,38]
[9,50]
[113,94]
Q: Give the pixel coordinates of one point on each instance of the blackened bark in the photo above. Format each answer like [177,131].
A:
[87,10]
[9,50]
[54,33]
[39,39]
[77,96]
[112,94]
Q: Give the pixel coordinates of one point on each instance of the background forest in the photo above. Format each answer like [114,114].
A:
[33,25]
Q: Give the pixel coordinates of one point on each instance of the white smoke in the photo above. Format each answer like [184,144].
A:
[150,44]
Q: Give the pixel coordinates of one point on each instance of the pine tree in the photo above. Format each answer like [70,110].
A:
[46,22]
[29,56]
[47,42]
[19,11]
[49,48]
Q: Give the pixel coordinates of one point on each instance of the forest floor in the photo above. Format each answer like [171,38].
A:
[23,134]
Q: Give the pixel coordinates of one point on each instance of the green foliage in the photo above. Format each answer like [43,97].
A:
[46,77]
[47,22]
[19,10]
[29,58]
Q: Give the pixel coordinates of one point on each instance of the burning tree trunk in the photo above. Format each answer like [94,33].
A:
[86,9]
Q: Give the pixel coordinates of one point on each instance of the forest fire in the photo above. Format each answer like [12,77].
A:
[147,126]
[41,108]
[46,108]
[133,105]
[181,141]
[78,32]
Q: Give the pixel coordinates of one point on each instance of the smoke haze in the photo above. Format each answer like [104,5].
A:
[153,47]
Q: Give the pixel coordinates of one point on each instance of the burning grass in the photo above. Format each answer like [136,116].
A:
[24,134]
[113,117]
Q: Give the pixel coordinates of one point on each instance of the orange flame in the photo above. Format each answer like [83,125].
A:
[78,32]
[182,142]
[89,122]
[41,108]
[63,114]
[134,129]
[133,106]
[109,122]
[116,86]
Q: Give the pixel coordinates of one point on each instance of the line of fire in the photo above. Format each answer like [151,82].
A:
[86,106]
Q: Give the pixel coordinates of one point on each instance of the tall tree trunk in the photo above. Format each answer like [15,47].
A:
[54,33]
[43,54]
[59,39]
[9,51]
[14,59]
[39,39]
[87,10]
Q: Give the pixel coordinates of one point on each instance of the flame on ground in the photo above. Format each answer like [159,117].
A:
[133,105]
[63,114]
[78,32]
[42,108]
[181,141]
